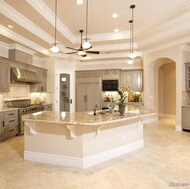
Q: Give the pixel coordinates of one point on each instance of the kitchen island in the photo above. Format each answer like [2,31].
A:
[81,139]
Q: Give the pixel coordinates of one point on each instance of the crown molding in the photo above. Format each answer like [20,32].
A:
[177,42]
[40,6]
[185,47]
[21,48]
[123,61]
[14,36]
[109,36]
[4,45]
[24,22]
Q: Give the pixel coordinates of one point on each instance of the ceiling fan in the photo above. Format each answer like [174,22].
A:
[81,51]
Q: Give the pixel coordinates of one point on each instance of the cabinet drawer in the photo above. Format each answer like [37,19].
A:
[11,113]
[11,121]
[48,107]
[1,116]
[10,131]
[1,130]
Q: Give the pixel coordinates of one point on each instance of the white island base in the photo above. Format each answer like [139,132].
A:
[81,146]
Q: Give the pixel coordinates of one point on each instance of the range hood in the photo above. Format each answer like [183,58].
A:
[23,76]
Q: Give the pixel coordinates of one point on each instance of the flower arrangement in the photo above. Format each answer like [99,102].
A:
[122,92]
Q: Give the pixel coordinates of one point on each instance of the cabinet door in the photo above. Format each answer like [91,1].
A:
[186,118]
[111,74]
[81,97]
[1,130]
[188,77]
[4,77]
[93,96]
[88,95]
[133,79]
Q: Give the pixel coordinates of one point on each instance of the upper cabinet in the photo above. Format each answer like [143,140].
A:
[40,87]
[111,74]
[4,77]
[133,79]
[188,76]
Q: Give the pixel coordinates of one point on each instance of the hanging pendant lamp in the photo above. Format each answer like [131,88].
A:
[54,47]
[130,61]
[86,45]
[132,54]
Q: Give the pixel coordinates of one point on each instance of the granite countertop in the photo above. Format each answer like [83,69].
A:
[7,109]
[186,105]
[87,118]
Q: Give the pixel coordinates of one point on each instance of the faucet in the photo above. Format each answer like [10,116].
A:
[95,107]
[110,108]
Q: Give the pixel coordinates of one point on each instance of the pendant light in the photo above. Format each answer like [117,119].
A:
[79,2]
[130,61]
[132,54]
[86,45]
[54,47]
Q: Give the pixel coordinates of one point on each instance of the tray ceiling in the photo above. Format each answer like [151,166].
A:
[156,22]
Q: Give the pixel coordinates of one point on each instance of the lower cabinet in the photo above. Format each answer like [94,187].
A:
[8,124]
[1,126]
[185,117]
[88,94]
[48,107]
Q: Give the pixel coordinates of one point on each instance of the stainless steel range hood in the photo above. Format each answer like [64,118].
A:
[24,76]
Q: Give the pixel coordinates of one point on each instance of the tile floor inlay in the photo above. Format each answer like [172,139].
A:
[163,163]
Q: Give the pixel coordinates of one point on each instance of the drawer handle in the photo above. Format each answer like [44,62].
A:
[11,130]
[11,114]
[11,120]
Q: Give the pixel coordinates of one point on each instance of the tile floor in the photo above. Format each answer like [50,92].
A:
[163,163]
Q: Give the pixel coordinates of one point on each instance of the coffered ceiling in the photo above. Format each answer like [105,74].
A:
[157,24]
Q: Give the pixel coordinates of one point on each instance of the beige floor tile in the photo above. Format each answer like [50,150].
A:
[164,160]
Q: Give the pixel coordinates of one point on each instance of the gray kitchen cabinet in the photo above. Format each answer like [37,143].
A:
[187,67]
[186,117]
[11,123]
[1,126]
[133,79]
[48,107]
[8,124]
[111,74]
[88,94]
[4,77]
[40,87]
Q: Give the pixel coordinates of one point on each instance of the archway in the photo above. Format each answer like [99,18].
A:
[164,77]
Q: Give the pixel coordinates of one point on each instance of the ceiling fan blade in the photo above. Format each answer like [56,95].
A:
[93,52]
[71,48]
[85,55]
[71,52]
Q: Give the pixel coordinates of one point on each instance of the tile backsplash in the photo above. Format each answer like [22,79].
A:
[22,91]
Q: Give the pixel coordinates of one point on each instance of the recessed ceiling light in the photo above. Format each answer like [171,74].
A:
[116,30]
[10,26]
[79,2]
[114,15]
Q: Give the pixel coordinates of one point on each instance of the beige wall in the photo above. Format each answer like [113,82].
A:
[167,90]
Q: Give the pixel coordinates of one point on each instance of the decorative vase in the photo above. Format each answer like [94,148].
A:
[122,108]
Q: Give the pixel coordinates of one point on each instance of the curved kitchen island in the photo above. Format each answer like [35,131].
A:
[81,139]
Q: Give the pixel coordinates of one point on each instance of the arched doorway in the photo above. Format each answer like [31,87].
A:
[160,75]
[167,90]
[165,87]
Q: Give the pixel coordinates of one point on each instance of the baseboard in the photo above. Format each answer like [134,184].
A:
[167,116]
[82,162]
[178,128]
